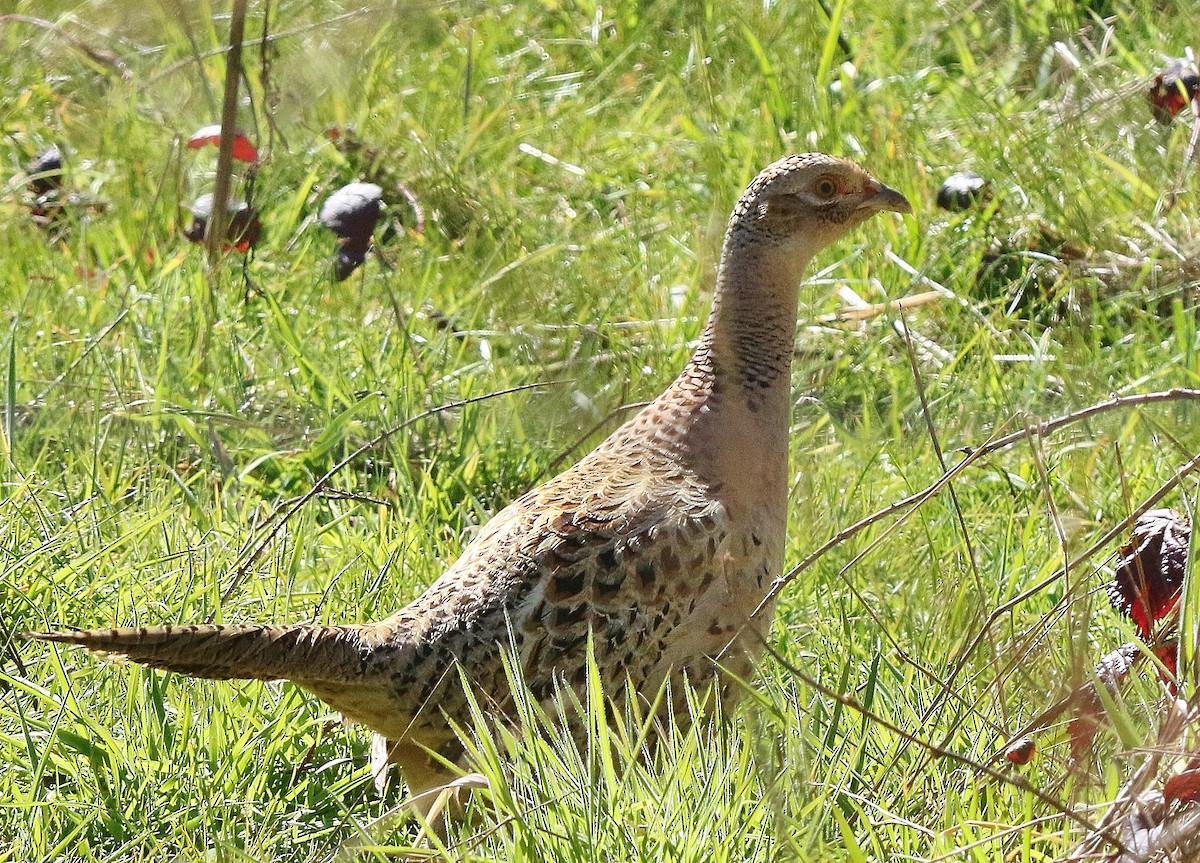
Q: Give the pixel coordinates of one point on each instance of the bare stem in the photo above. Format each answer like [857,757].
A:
[217,223]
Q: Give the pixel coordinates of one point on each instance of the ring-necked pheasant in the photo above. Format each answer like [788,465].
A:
[660,543]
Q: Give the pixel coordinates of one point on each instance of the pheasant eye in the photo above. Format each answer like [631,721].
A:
[825,187]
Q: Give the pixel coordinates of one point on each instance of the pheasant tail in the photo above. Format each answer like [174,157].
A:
[228,652]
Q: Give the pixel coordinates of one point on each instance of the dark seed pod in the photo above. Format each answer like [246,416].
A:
[961,191]
[1150,568]
[45,171]
[245,229]
[352,212]
[346,262]
[1021,751]
[47,208]
[1111,672]
[1172,88]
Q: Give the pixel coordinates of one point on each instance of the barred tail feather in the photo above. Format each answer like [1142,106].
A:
[257,652]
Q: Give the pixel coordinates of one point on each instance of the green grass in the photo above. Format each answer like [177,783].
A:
[153,421]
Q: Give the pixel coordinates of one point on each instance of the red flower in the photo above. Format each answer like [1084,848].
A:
[1150,569]
[243,150]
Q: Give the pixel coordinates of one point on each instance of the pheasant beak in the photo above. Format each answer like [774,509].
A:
[879,197]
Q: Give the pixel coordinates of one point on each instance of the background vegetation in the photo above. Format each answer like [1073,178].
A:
[576,163]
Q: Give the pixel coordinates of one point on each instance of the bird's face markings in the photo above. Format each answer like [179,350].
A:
[819,199]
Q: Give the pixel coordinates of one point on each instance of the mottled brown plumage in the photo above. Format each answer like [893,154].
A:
[661,542]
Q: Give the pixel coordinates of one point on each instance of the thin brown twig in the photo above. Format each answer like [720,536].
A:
[274,37]
[1016,781]
[277,522]
[97,55]
[1044,428]
[1009,830]
[218,219]
[972,454]
[343,494]
[946,689]
[842,41]
[872,310]
[1112,534]
[266,53]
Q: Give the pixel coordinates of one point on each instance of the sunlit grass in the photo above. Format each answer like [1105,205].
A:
[575,189]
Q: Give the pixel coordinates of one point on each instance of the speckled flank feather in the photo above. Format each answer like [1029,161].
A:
[660,543]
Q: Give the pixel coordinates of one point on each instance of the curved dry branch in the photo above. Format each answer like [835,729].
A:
[972,454]
[99,56]
[277,521]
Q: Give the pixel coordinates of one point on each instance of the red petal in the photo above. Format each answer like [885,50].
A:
[1082,731]
[1150,569]
[206,135]
[1168,655]
[1172,88]
[243,150]
[1183,786]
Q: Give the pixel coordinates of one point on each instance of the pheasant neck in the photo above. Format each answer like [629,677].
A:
[749,339]
[740,376]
